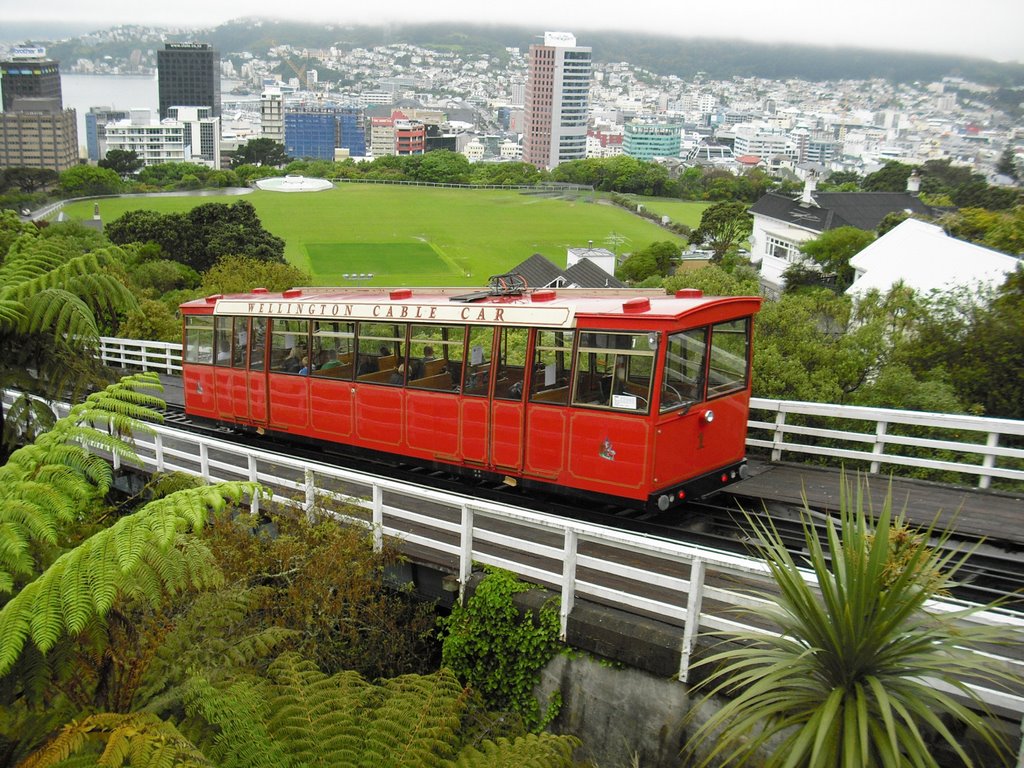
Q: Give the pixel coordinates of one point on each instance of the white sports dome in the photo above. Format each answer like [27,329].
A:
[293,182]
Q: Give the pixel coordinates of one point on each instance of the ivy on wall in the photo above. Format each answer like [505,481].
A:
[500,652]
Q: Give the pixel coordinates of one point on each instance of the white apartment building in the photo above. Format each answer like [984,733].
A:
[272,114]
[760,140]
[188,135]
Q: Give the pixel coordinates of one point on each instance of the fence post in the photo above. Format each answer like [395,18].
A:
[989,462]
[693,608]
[310,482]
[777,437]
[568,580]
[378,518]
[204,462]
[879,448]
[465,551]
[254,502]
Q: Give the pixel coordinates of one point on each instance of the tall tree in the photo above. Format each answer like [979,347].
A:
[124,163]
[86,181]
[260,152]
[723,226]
[831,252]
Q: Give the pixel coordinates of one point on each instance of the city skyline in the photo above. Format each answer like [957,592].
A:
[989,30]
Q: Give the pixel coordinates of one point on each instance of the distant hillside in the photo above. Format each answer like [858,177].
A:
[685,57]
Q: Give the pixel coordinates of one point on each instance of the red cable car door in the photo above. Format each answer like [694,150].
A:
[507,415]
[257,374]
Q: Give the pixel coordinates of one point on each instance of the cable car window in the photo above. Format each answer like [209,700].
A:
[289,346]
[334,345]
[435,356]
[222,340]
[380,352]
[682,381]
[241,347]
[477,370]
[730,351]
[511,363]
[257,349]
[199,338]
[613,370]
[552,365]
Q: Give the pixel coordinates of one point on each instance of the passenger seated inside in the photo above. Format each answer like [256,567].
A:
[293,362]
[334,362]
[428,354]
[306,367]
[415,369]
[368,364]
[398,375]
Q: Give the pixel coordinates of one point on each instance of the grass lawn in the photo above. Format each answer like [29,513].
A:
[678,210]
[418,235]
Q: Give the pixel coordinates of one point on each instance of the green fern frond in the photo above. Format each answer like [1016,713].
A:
[11,313]
[238,713]
[543,750]
[138,739]
[66,594]
[418,721]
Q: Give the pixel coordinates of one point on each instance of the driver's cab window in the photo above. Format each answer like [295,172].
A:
[682,382]
[613,370]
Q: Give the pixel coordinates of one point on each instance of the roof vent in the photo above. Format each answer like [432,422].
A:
[214,298]
[543,296]
[292,293]
[401,293]
[639,304]
[689,293]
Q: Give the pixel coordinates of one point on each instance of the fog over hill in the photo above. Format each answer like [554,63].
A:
[685,57]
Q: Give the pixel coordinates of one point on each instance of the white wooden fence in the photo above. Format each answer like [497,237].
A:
[693,588]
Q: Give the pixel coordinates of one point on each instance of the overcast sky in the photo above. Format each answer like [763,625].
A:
[992,29]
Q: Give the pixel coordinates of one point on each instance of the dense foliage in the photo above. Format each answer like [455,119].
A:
[848,679]
[201,236]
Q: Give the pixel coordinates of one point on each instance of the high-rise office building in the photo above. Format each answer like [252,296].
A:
[35,129]
[96,120]
[557,101]
[272,114]
[29,74]
[189,76]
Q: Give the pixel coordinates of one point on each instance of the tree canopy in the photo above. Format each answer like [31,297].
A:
[201,236]
[260,152]
[722,226]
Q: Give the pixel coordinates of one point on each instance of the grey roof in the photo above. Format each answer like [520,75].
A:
[863,210]
[539,272]
[586,274]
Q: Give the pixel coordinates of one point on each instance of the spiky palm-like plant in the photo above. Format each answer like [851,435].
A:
[849,680]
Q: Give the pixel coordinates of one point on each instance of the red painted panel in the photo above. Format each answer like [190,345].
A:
[200,390]
[475,422]
[609,452]
[257,397]
[239,400]
[378,416]
[545,441]
[331,401]
[687,445]
[432,424]
[225,378]
[289,401]
[507,434]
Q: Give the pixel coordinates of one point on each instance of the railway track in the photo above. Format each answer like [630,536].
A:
[992,571]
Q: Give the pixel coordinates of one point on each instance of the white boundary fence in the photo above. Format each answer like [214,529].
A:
[671,581]
[880,437]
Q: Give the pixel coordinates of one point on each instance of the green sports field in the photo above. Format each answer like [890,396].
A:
[419,235]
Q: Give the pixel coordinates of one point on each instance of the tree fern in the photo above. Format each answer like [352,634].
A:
[133,556]
[238,713]
[139,739]
[533,750]
[50,482]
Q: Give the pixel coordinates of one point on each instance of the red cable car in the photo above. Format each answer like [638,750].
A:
[595,394]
